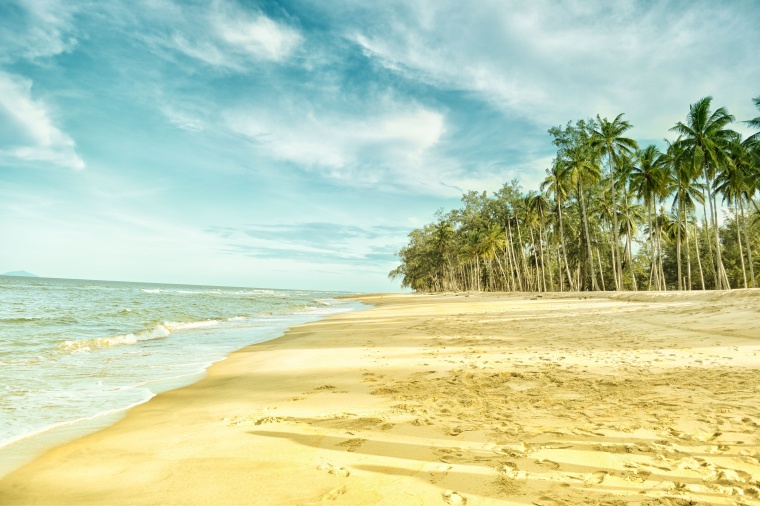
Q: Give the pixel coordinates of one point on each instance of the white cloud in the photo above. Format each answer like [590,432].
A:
[33,134]
[552,62]
[391,148]
[184,119]
[38,28]
[256,35]
[222,34]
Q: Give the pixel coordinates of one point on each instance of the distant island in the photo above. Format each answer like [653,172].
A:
[21,274]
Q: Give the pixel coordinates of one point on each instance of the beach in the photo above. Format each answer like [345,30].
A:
[547,399]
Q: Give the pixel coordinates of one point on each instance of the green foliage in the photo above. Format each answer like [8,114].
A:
[649,221]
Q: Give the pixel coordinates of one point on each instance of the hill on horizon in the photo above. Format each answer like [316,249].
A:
[24,274]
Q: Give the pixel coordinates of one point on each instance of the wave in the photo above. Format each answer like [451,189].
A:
[192,325]
[21,319]
[157,332]
[213,292]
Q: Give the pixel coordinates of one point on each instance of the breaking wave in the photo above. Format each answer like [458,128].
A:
[157,332]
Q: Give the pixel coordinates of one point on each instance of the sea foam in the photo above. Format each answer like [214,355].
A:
[157,332]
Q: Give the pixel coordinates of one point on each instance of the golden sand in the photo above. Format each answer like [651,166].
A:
[450,399]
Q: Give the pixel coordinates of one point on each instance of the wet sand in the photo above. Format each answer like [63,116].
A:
[632,398]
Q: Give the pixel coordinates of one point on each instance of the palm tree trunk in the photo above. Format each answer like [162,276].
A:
[510,267]
[616,261]
[549,259]
[517,269]
[706,226]
[590,255]
[613,250]
[628,248]
[748,245]
[535,261]
[659,255]
[721,270]
[526,269]
[541,255]
[699,256]
[688,252]
[651,249]
[559,265]
[661,262]
[634,283]
[599,257]
[739,239]
[678,244]
[562,238]
[501,269]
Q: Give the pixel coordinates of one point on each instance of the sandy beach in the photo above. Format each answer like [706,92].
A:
[560,399]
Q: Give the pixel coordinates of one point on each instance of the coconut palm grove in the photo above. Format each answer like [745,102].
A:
[610,215]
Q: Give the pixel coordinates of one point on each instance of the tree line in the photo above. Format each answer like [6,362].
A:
[610,215]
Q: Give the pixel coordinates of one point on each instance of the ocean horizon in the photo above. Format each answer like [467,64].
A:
[76,354]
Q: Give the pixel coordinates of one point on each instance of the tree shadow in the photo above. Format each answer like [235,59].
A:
[501,476]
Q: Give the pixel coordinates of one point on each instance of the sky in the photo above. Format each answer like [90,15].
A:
[296,143]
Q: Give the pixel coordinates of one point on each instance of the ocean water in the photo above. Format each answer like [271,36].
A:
[75,354]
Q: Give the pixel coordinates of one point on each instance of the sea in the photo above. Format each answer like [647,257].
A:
[75,355]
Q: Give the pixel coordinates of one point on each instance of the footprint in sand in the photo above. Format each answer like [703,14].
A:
[337,471]
[333,494]
[596,478]
[453,497]
[352,445]
[439,473]
[548,501]
[511,471]
[548,463]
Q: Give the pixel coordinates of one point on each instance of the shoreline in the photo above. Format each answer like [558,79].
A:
[516,398]
[26,447]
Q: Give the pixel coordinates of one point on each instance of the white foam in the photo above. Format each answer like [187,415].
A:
[191,325]
[157,332]
[149,395]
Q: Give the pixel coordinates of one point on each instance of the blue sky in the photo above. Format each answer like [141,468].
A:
[295,144]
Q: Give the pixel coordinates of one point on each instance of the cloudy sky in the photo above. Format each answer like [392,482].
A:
[295,144]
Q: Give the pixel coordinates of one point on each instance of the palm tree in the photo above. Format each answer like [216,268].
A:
[648,181]
[663,223]
[631,213]
[492,243]
[584,170]
[683,180]
[608,139]
[687,191]
[705,140]
[735,185]
[539,208]
[555,185]
[442,236]
[755,123]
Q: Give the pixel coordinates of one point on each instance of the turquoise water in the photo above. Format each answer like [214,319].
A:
[72,351]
